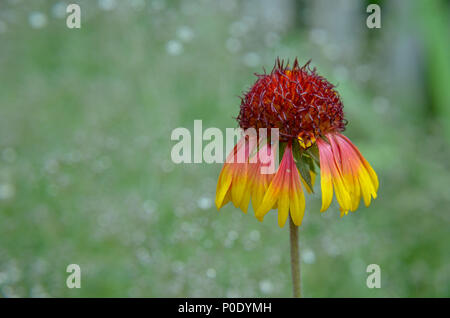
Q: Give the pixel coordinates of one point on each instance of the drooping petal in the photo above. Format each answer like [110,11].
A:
[371,172]
[366,181]
[343,166]
[331,177]
[223,185]
[343,159]
[296,197]
[239,183]
[285,190]
[225,200]
[233,184]
[273,192]
[260,180]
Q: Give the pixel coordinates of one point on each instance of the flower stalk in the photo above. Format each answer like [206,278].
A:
[295,259]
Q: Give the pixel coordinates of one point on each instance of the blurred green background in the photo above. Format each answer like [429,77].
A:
[86,175]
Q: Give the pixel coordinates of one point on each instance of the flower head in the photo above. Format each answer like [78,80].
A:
[296,100]
[308,112]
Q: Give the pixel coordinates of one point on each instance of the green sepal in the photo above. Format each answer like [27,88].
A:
[281,152]
[313,152]
[304,163]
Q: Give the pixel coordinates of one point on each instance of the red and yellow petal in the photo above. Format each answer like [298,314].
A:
[344,169]
[297,198]
[234,179]
[373,176]
[331,177]
[366,181]
[260,181]
[285,191]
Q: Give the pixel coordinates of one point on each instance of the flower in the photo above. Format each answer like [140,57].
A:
[308,114]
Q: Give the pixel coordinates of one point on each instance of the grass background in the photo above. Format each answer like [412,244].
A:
[85,169]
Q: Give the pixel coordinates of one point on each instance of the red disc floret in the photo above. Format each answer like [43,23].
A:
[296,100]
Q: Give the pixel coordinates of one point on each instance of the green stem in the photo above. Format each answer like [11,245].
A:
[295,259]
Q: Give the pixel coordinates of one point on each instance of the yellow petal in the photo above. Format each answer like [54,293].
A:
[270,198]
[297,201]
[223,184]
[225,200]
[326,183]
[283,207]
